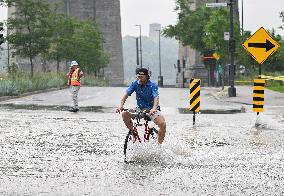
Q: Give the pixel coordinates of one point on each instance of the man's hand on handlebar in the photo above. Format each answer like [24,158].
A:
[119,109]
[152,111]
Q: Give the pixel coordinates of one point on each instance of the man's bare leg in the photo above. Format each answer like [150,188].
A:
[160,121]
[126,116]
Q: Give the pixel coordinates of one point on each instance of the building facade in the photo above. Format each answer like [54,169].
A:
[106,13]
[154,29]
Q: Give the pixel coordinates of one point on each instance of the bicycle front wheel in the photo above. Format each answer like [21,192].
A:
[130,139]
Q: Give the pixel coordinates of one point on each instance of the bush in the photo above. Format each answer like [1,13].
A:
[89,80]
[21,82]
[8,88]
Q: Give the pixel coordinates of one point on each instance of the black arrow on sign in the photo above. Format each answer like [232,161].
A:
[268,45]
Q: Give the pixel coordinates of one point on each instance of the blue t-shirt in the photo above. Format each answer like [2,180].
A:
[144,95]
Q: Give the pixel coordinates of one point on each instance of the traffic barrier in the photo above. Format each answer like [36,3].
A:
[194,96]
[258,95]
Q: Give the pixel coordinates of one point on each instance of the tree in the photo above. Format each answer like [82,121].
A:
[275,62]
[87,46]
[203,29]
[63,31]
[36,30]
[29,28]
[190,27]
[217,24]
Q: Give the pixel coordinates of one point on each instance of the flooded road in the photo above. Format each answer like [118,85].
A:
[43,152]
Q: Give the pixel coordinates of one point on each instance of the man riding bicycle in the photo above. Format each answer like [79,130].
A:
[147,98]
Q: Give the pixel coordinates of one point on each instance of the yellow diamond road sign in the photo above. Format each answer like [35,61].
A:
[216,55]
[261,45]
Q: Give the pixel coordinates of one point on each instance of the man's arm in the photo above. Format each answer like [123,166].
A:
[156,103]
[155,106]
[155,94]
[122,102]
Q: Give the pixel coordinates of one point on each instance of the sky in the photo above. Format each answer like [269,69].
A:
[257,13]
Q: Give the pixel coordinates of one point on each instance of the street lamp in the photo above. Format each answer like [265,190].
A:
[67,8]
[160,77]
[140,46]
[242,18]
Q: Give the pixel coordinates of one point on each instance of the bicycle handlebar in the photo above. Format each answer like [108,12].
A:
[140,114]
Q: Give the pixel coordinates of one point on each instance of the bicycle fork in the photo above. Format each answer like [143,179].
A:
[148,132]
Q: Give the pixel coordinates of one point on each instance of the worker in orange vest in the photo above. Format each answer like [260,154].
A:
[74,75]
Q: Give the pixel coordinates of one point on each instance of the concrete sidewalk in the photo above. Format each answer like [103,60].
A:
[170,99]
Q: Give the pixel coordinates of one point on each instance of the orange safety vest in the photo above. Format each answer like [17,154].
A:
[75,80]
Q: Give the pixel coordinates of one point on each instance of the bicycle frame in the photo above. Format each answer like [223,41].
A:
[133,136]
[147,129]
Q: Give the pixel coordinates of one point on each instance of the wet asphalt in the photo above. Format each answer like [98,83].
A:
[47,151]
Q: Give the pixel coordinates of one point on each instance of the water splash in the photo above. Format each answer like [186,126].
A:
[169,152]
[267,122]
[203,121]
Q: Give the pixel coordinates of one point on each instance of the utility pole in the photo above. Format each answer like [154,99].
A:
[141,65]
[67,8]
[242,17]
[232,89]
[160,77]
[137,51]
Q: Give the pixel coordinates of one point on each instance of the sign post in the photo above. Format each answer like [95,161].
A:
[260,46]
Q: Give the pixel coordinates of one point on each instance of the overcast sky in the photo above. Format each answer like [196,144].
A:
[257,13]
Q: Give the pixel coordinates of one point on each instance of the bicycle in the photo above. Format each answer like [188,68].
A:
[150,133]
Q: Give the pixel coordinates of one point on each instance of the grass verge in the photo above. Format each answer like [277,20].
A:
[22,83]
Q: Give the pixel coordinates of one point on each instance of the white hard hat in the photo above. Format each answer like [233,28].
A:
[74,63]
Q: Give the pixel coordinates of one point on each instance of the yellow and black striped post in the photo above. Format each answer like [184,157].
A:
[194,96]
[258,95]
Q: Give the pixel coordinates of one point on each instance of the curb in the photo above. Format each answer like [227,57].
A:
[5,98]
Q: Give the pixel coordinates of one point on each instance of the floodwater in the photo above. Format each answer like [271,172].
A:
[44,152]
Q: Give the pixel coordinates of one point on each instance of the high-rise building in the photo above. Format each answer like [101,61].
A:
[154,29]
[106,13]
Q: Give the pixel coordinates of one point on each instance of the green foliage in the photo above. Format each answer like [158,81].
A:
[8,88]
[63,30]
[214,36]
[204,29]
[277,87]
[275,62]
[36,30]
[79,40]
[190,27]
[87,47]
[90,80]
[23,83]
[29,28]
